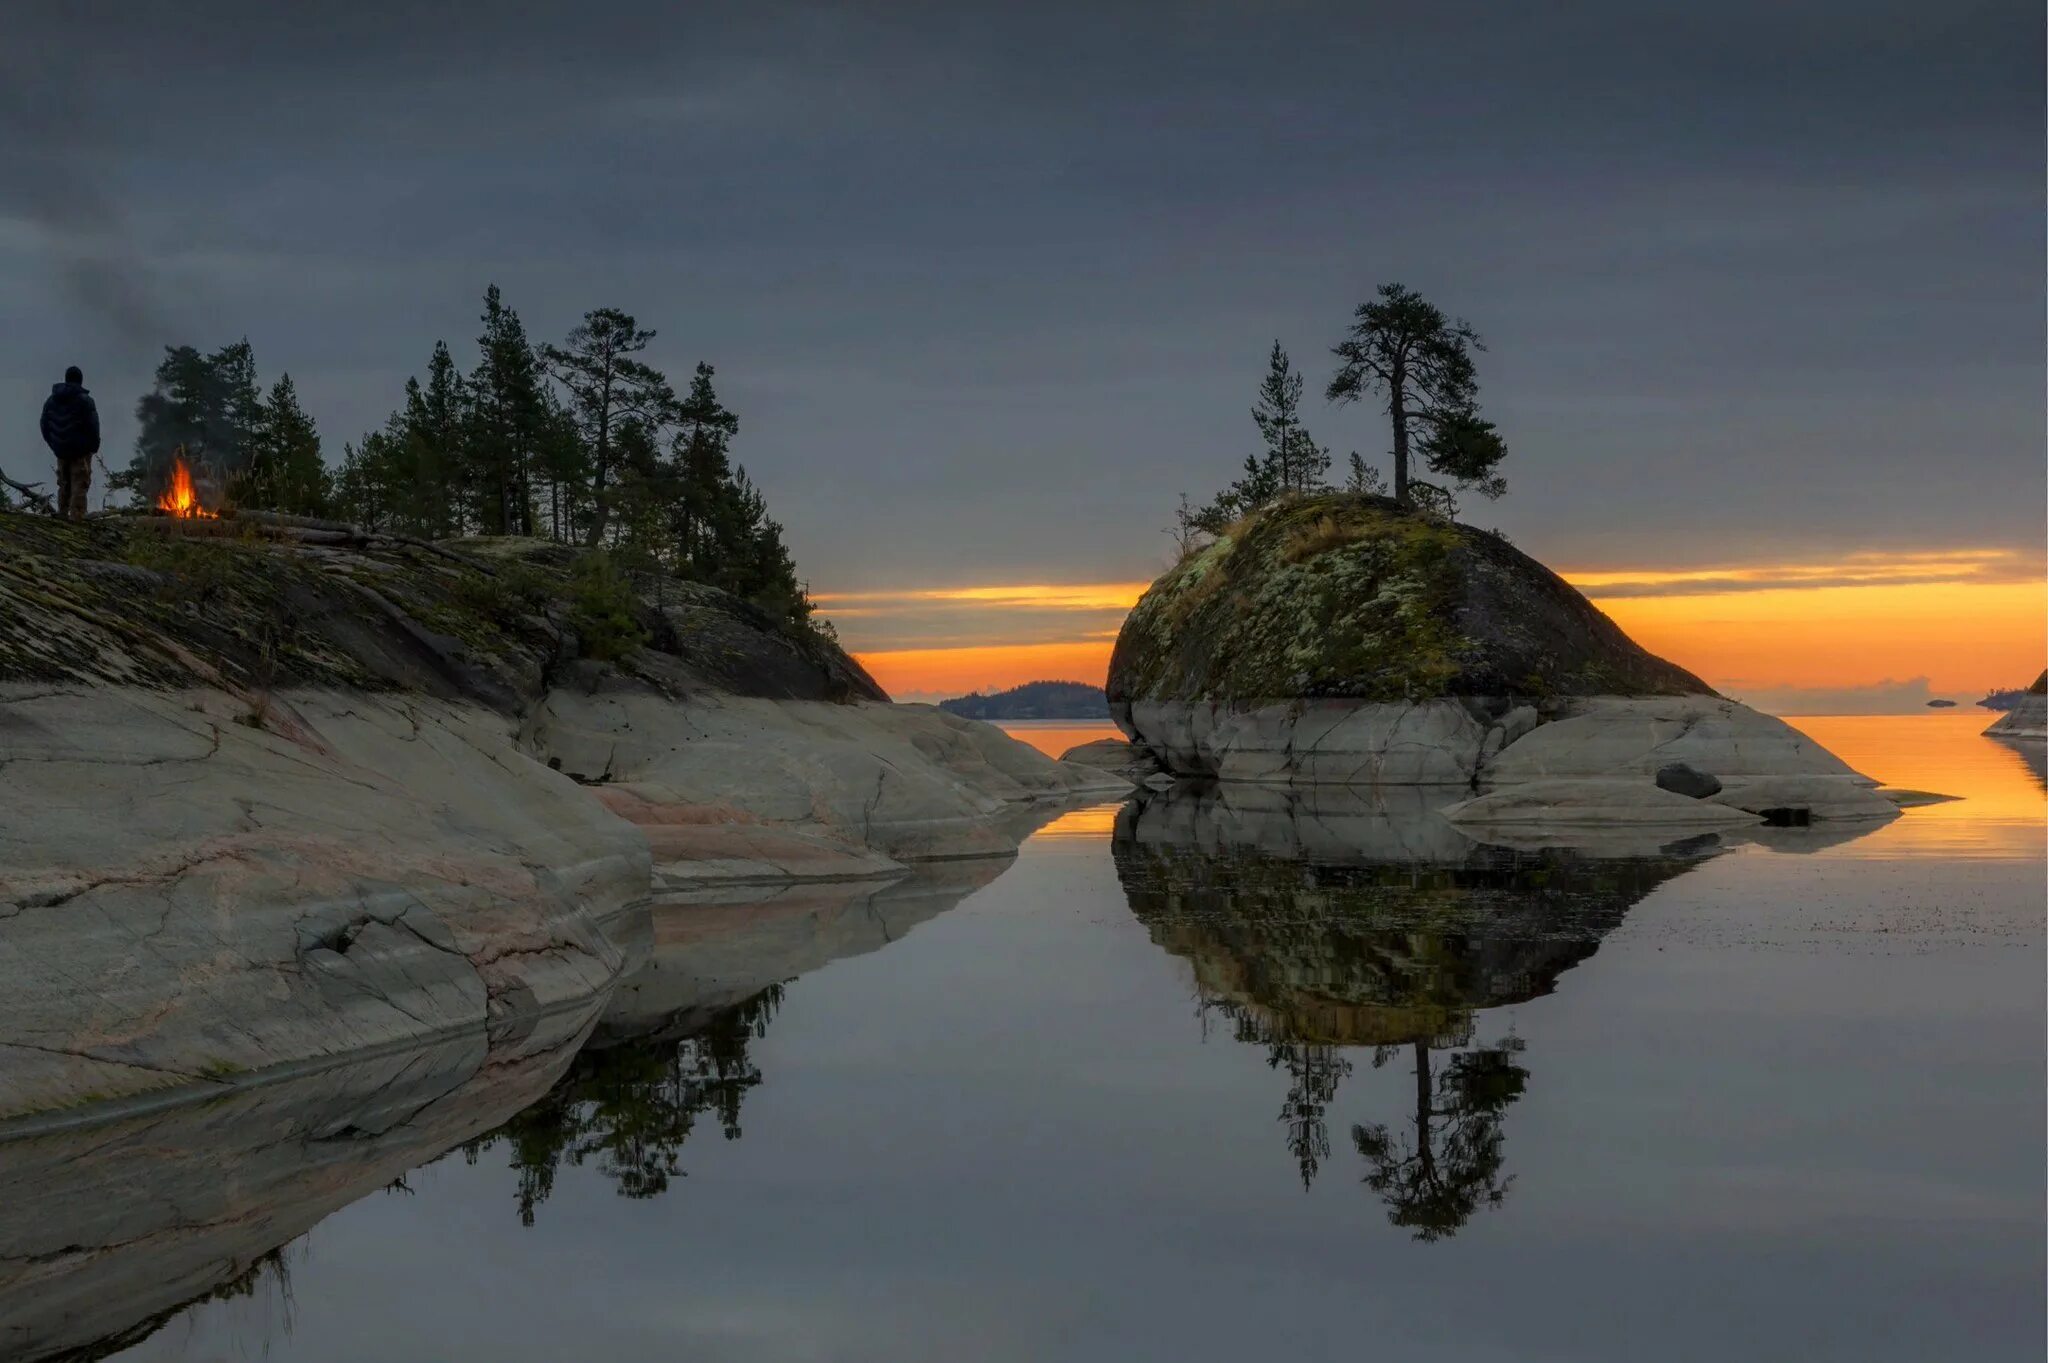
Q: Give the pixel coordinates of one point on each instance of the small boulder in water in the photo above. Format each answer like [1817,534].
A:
[1116,756]
[1682,779]
[1799,800]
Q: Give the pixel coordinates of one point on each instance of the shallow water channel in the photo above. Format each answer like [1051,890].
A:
[1219,1075]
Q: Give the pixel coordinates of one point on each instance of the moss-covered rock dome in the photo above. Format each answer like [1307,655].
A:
[1347,596]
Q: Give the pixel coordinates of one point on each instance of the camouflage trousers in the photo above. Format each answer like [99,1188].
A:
[74,480]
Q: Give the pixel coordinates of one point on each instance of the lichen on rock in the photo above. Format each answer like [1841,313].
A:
[1348,596]
[1339,639]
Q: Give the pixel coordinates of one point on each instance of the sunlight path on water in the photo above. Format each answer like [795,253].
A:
[1096,821]
[1056,736]
[2001,812]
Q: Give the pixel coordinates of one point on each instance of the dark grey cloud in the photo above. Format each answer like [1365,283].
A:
[990,284]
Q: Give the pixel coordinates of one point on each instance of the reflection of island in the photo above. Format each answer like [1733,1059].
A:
[1346,925]
[108,1231]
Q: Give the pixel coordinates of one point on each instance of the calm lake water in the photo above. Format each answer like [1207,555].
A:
[1218,1076]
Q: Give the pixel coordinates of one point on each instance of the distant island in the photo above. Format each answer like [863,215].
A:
[2003,699]
[1033,700]
[1938,704]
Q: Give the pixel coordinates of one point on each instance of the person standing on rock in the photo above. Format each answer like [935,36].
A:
[71,428]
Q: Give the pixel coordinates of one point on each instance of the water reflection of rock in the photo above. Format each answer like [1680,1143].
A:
[110,1230]
[2032,754]
[713,949]
[1324,924]
[673,1048]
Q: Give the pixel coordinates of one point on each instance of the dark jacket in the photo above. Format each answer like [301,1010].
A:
[71,423]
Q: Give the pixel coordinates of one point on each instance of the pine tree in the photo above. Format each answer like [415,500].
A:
[1186,529]
[507,422]
[753,560]
[621,465]
[1298,464]
[207,406]
[1365,478]
[564,472]
[705,429]
[429,462]
[1403,348]
[412,476]
[285,471]
[1291,462]
[365,487]
[241,401]
[608,388]
[644,486]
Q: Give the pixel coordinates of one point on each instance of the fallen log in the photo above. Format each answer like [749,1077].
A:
[193,527]
[299,529]
[207,527]
[299,536]
[291,522]
[407,541]
[28,490]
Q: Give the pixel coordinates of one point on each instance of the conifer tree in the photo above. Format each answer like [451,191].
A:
[705,429]
[241,399]
[285,471]
[608,388]
[431,458]
[753,560]
[1364,477]
[508,419]
[1291,462]
[1298,464]
[206,405]
[364,487]
[619,464]
[1404,349]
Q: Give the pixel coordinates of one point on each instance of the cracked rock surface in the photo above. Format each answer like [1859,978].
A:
[186,901]
[267,806]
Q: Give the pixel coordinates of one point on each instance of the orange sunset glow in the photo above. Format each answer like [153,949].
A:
[1965,621]
[1961,638]
[915,672]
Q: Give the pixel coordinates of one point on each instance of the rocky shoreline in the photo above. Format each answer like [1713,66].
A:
[155,1209]
[2028,717]
[274,805]
[1337,639]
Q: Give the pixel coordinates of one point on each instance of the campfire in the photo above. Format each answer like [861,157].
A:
[179,497]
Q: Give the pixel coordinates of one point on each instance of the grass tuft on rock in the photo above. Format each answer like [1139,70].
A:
[602,609]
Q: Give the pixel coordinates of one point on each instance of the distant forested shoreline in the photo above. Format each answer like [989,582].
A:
[1033,700]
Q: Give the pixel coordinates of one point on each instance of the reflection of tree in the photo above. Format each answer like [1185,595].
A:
[272,1266]
[1313,960]
[1313,1073]
[632,1107]
[1433,1181]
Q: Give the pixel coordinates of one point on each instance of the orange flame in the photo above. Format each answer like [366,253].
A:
[179,498]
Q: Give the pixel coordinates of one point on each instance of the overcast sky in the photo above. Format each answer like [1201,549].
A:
[988,285]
